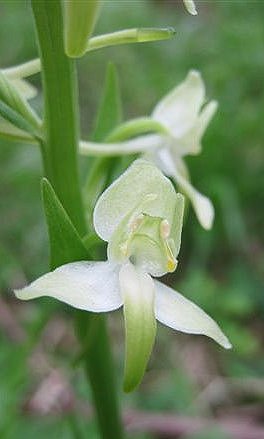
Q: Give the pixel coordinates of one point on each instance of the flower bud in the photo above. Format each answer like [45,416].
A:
[13,99]
[79,20]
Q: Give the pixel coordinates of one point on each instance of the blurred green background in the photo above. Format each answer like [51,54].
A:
[222,270]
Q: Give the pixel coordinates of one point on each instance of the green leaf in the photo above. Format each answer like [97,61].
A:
[108,117]
[65,243]
[95,184]
[110,110]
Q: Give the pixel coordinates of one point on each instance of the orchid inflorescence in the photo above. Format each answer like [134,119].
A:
[182,118]
[140,215]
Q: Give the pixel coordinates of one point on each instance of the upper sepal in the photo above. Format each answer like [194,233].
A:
[140,215]
[142,188]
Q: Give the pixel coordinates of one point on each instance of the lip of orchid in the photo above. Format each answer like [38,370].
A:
[140,228]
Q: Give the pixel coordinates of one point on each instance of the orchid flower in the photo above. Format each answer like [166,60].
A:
[140,216]
[181,114]
[181,118]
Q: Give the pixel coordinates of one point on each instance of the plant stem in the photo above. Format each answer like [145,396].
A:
[100,365]
[60,163]
[60,109]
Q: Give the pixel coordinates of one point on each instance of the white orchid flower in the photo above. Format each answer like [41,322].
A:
[183,118]
[140,216]
[182,113]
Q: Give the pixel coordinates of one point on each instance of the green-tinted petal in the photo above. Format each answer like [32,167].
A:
[176,227]
[137,290]
[174,310]
[147,241]
[141,189]
[91,286]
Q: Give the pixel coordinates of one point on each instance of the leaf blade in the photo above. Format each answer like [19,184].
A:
[65,243]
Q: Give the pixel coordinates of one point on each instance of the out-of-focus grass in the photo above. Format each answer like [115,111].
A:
[221,270]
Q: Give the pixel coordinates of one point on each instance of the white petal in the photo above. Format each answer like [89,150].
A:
[179,109]
[141,188]
[203,207]
[177,312]
[138,291]
[191,142]
[205,117]
[190,6]
[91,286]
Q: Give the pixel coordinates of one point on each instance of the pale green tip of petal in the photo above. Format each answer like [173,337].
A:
[204,211]
[226,344]
[24,294]
[154,34]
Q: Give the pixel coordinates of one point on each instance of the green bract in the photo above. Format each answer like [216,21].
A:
[140,216]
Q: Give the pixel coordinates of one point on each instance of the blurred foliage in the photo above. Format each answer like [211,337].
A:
[221,270]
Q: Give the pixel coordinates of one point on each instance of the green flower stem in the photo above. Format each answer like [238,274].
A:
[136,127]
[60,162]
[23,70]
[133,146]
[60,110]
[99,369]
[126,36]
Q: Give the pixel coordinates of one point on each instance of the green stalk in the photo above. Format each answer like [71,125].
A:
[60,109]
[99,368]
[60,162]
